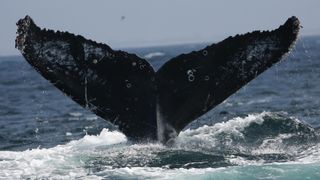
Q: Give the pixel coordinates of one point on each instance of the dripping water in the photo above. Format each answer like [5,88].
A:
[86,92]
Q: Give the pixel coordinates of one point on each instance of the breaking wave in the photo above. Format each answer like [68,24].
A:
[153,55]
[236,148]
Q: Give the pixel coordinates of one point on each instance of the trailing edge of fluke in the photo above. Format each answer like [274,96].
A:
[124,89]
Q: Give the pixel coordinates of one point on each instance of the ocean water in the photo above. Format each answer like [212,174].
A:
[270,129]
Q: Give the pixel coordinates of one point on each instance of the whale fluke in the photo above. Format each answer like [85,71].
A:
[124,89]
[192,84]
[115,85]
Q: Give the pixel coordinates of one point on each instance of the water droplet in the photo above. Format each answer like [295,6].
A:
[191,78]
[190,74]
[142,66]
[95,61]
[134,63]
[206,78]
[128,84]
[205,52]
[191,71]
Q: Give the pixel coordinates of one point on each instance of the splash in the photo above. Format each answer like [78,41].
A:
[61,161]
[228,149]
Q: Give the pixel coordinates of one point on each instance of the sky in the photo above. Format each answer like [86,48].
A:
[142,23]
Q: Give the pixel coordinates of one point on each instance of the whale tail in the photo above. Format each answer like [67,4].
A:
[124,88]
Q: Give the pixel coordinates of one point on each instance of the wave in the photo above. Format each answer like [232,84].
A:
[238,146]
[153,55]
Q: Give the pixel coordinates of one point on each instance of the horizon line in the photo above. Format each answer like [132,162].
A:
[151,45]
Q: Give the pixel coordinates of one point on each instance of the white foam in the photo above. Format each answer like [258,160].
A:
[153,54]
[68,134]
[258,101]
[62,161]
[75,114]
[106,137]
[110,155]
[160,173]
[310,155]
[245,172]
[273,145]
[206,135]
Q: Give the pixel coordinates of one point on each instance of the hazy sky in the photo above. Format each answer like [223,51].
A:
[134,23]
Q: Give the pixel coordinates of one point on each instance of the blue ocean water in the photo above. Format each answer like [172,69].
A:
[267,130]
